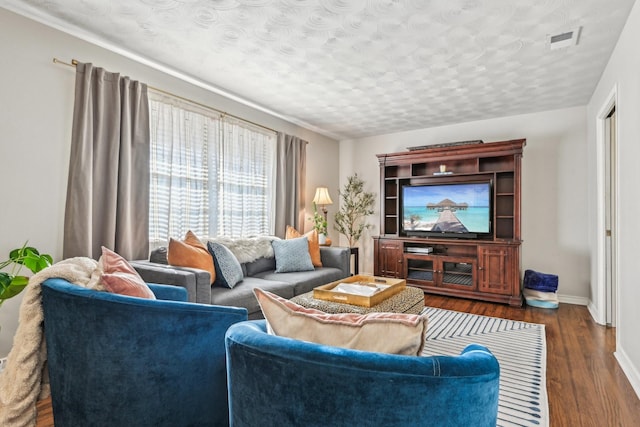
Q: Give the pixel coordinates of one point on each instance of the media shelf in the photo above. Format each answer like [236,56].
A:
[486,267]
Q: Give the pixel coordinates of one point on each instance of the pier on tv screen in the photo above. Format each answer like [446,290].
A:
[447,208]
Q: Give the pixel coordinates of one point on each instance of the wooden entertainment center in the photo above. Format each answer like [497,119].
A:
[485,266]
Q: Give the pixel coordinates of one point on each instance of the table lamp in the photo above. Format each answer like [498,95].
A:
[322,199]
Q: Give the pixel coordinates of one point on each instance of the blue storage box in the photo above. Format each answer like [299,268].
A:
[540,281]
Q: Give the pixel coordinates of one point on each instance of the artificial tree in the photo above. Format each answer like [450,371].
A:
[356,204]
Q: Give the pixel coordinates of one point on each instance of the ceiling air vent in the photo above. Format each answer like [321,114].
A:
[566,39]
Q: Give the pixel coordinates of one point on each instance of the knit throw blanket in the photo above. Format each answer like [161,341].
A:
[24,380]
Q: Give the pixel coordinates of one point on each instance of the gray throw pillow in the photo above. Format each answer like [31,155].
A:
[292,255]
[228,269]
[159,256]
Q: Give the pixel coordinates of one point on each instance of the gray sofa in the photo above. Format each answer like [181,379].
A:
[257,274]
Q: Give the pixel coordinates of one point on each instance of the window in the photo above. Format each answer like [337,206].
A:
[210,174]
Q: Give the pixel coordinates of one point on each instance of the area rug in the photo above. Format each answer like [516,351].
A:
[520,348]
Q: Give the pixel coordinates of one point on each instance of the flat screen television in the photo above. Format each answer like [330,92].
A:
[460,210]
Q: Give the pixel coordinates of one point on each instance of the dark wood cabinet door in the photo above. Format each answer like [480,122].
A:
[495,271]
[390,257]
[421,269]
[457,273]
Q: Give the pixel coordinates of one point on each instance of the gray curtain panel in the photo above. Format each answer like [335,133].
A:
[290,183]
[108,188]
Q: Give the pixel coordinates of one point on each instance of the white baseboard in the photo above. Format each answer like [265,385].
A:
[570,299]
[629,370]
[3,363]
[595,313]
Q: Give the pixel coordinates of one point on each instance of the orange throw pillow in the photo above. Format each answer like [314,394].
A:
[314,243]
[191,253]
[119,277]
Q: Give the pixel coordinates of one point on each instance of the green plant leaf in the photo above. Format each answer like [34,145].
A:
[44,262]
[11,292]
[26,256]
[16,285]
[17,255]
[5,280]
[30,258]
[19,281]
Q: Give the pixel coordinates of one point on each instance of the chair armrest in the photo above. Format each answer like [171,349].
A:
[336,257]
[168,292]
[196,282]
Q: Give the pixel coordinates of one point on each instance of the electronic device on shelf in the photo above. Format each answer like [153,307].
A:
[419,249]
[458,210]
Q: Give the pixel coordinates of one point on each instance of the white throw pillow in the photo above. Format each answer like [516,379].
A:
[394,333]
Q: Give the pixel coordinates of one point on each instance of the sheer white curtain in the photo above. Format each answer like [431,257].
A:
[245,175]
[180,160]
[209,174]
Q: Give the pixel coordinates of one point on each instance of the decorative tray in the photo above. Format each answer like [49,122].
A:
[365,291]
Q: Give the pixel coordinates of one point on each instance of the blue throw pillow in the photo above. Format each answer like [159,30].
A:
[228,269]
[292,255]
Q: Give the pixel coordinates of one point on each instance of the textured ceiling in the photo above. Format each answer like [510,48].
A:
[355,68]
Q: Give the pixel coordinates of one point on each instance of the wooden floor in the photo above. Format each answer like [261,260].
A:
[586,386]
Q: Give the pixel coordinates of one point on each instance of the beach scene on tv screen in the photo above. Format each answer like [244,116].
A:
[451,208]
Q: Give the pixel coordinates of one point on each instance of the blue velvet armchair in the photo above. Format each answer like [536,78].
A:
[276,381]
[121,361]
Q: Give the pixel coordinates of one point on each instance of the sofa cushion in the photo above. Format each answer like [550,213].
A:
[292,255]
[260,265]
[395,333]
[119,277]
[191,253]
[242,294]
[228,269]
[304,281]
[314,243]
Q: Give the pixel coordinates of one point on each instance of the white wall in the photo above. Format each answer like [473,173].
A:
[36,104]
[554,186]
[622,73]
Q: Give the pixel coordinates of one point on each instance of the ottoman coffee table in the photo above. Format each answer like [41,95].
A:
[409,300]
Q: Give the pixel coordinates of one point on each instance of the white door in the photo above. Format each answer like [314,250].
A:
[610,216]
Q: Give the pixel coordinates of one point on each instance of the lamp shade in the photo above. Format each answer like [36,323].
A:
[322,196]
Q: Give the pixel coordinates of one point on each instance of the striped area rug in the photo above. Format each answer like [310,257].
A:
[520,348]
